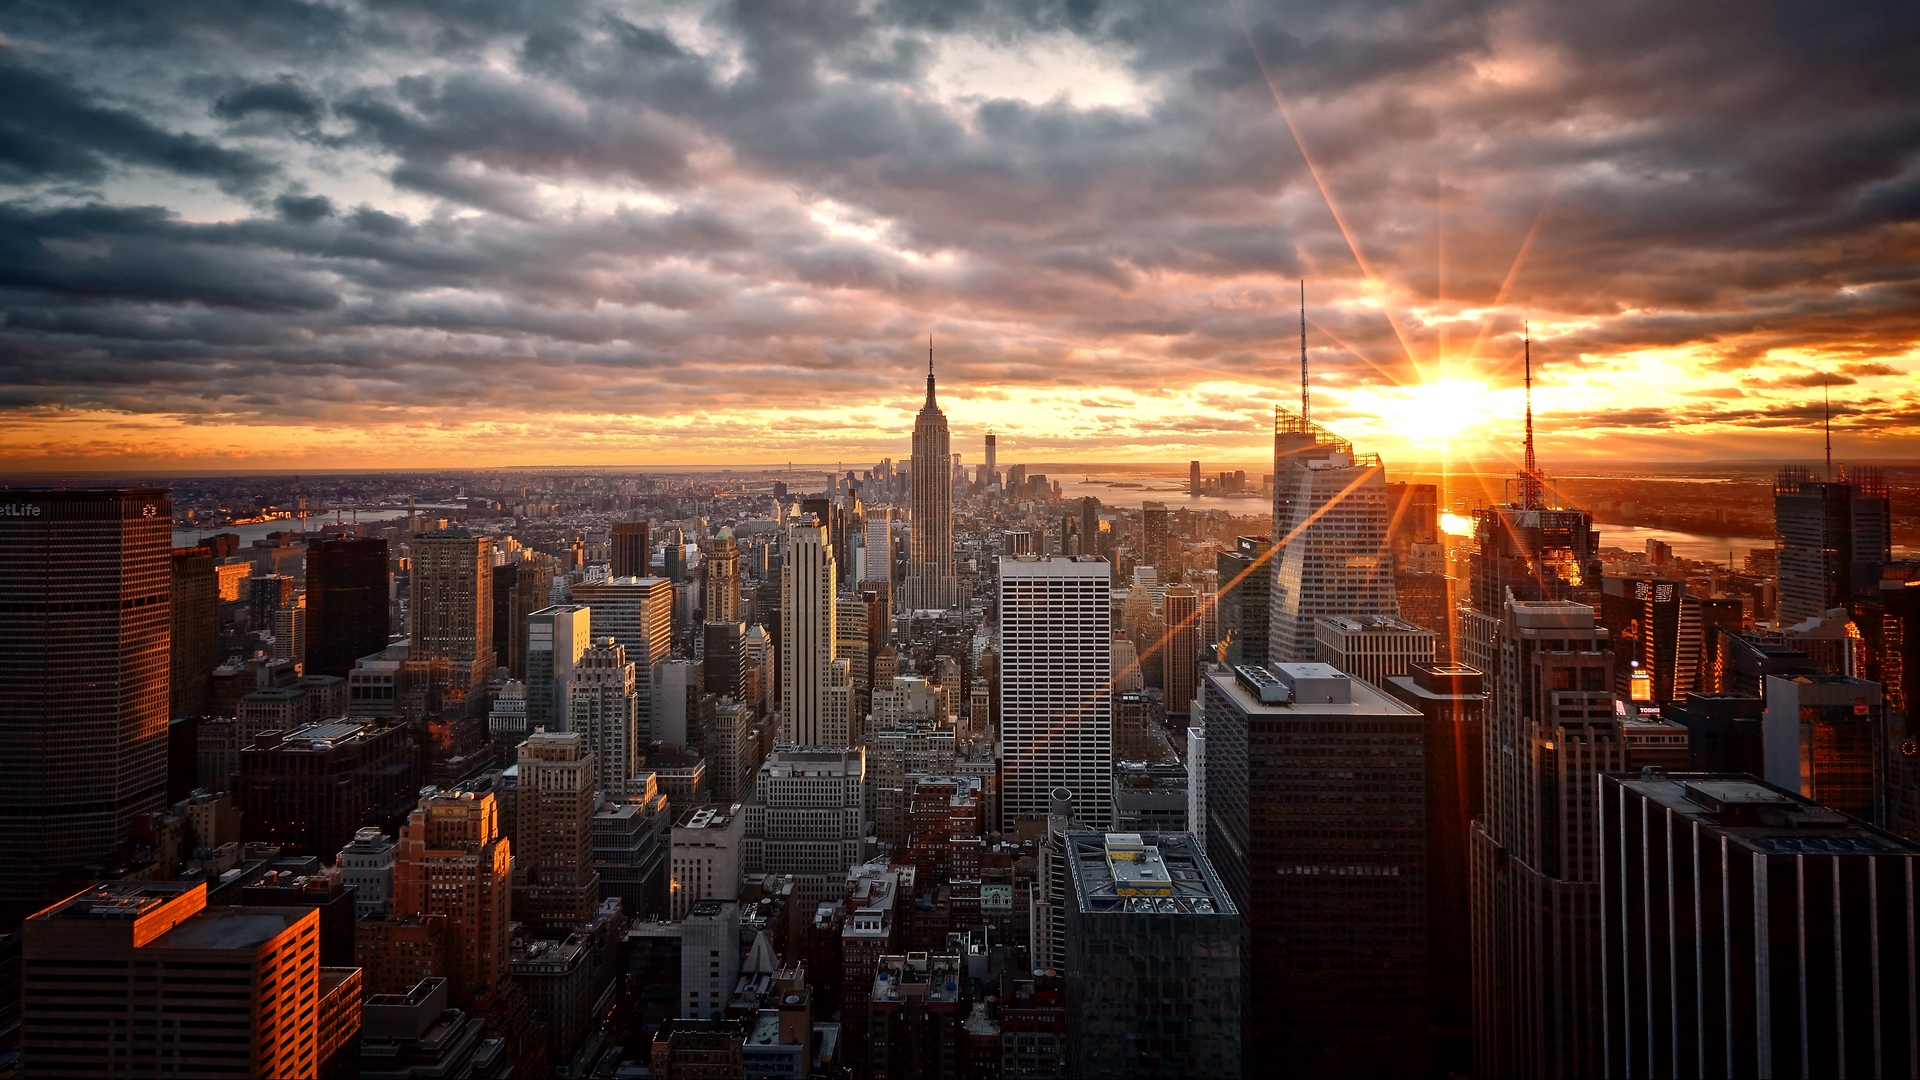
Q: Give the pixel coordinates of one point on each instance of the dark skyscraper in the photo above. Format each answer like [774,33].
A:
[1536,873]
[346,603]
[931,580]
[1825,529]
[631,553]
[1315,800]
[196,631]
[1246,590]
[1752,932]
[1154,536]
[84,642]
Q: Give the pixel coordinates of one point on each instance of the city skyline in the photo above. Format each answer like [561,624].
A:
[377,239]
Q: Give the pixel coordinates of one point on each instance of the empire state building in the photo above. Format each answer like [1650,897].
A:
[930,581]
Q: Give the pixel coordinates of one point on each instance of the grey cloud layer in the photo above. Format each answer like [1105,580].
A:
[1734,175]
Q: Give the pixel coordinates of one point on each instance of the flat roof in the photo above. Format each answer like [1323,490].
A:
[228,928]
[1761,817]
[1363,700]
[1144,873]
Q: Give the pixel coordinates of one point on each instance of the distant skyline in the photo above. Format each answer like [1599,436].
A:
[315,236]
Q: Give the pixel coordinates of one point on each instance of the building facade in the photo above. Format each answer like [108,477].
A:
[1330,554]
[930,581]
[1056,686]
[808,584]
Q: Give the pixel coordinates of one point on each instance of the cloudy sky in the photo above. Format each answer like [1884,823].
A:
[278,234]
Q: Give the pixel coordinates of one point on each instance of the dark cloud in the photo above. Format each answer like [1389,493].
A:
[553,204]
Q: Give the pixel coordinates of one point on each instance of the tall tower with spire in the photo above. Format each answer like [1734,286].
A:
[931,581]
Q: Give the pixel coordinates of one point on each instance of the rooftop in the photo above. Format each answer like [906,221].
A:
[1371,624]
[1763,818]
[229,928]
[1260,691]
[1144,873]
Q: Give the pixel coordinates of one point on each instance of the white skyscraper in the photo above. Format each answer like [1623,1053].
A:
[931,581]
[807,585]
[604,708]
[556,637]
[878,570]
[1056,685]
[1329,536]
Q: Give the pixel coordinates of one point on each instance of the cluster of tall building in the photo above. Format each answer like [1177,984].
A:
[868,785]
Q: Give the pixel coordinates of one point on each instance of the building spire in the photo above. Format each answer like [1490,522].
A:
[930,403]
[1305,412]
[1530,479]
[1826,399]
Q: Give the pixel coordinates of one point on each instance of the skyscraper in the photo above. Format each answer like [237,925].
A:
[454,862]
[1536,872]
[931,581]
[555,884]
[143,978]
[807,633]
[1750,932]
[556,637]
[1090,528]
[637,613]
[1244,598]
[1315,802]
[195,631]
[84,580]
[450,609]
[807,817]
[1154,536]
[632,553]
[603,706]
[1330,552]
[1147,921]
[723,578]
[532,589]
[877,571]
[1193,479]
[1056,686]
[993,460]
[1180,610]
[1824,529]
[346,603]
[1526,548]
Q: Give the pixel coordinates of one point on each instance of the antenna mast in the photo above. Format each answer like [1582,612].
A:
[1826,398]
[1305,412]
[1530,481]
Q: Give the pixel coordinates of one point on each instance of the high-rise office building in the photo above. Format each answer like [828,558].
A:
[1315,803]
[555,884]
[1657,639]
[454,862]
[706,856]
[1825,529]
[1243,598]
[1371,647]
[931,581]
[450,607]
[1155,959]
[1330,554]
[1452,702]
[807,817]
[632,552]
[1824,736]
[1193,479]
[309,789]
[1056,686]
[195,632]
[1750,932]
[807,633]
[1180,662]
[603,706]
[267,593]
[637,613]
[1155,536]
[876,566]
[531,590]
[346,603]
[556,638]
[992,459]
[1090,534]
[723,578]
[84,579]
[1536,891]
[142,978]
